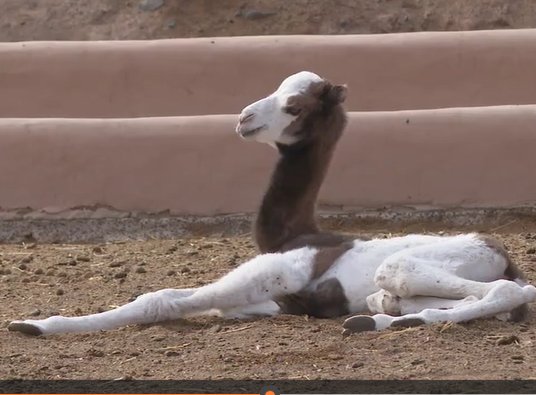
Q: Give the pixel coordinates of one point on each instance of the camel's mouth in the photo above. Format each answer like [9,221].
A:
[251,132]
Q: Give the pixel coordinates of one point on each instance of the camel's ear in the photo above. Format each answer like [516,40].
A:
[337,94]
[334,94]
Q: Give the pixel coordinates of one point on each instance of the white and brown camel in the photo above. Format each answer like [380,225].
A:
[403,281]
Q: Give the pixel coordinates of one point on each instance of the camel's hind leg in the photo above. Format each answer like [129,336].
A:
[418,272]
[499,296]
[383,302]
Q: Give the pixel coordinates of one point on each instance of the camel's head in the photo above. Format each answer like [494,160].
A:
[284,116]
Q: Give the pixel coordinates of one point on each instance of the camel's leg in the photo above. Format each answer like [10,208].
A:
[383,302]
[252,284]
[408,276]
[147,308]
[502,296]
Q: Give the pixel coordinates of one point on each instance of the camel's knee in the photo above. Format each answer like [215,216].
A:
[529,292]
[394,275]
[383,302]
[163,304]
[512,297]
[166,294]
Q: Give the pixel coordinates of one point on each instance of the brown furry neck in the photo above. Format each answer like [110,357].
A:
[288,207]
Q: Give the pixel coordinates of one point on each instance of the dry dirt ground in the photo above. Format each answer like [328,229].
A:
[40,280]
[123,19]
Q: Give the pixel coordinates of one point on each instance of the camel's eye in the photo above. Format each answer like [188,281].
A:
[292,110]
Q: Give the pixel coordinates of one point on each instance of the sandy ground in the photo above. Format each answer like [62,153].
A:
[40,280]
[123,19]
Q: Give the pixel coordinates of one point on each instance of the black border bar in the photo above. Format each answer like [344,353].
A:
[255,386]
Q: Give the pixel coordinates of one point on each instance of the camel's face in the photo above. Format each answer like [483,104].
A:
[279,117]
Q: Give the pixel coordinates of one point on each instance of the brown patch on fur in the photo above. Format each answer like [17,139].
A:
[318,240]
[288,208]
[326,257]
[512,273]
[326,301]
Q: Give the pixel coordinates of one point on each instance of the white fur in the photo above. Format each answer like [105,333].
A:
[428,273]
[268,114]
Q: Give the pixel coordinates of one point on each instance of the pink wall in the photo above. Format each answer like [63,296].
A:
[180,160]
[197,165]
[221,75]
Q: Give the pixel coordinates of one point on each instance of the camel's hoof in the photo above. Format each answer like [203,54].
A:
[359,323]
[408,322]
[23,327]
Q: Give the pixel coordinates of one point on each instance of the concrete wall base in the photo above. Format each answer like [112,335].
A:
[144,227]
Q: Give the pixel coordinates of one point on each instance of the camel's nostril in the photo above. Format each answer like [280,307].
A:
[245,117]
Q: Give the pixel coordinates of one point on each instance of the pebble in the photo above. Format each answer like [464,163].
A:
[116,264]
[82,258]
[531,251]
[171,353]
[170,273]
[34,313]
[141,269]
[171,250]
[518,358]
[120,275]
[505,340]
[96,353]
[23,266]
[215,329]
[98,250]
[417,362]
[60,292]
[150,5]
[186,270]
[356,365]
[334,357]
[27,259]
[39,271]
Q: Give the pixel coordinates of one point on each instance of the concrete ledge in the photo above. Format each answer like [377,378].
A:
[364,223]
[459,157]
[220,75]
